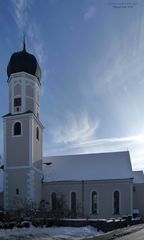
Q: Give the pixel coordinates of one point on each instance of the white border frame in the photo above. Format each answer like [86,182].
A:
[117,189]
[14,122]
[51,198]
[94,190]
[70,200]
[38,140]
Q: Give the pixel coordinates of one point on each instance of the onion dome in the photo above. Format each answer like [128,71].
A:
[24,62]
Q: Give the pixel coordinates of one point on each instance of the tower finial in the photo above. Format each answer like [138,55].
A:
[24,45]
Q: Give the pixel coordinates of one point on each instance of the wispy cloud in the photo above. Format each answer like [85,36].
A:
[89,13]
[134,144]
[116,79]
[37,43]
[20,12]
[110,144]
[121,63]
[76,129]
[21,17]
[26,24]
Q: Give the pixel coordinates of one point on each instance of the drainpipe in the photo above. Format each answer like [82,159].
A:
[82,197]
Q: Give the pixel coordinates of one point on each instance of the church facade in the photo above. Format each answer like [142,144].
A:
[89,189]
[100,185]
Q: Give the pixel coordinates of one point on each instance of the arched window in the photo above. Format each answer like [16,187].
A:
[29,91]
[94,202]
[17,128]
[116,202]
[17,191]
[54,201]
[73,203]
[17,101]
[17,89]
[37,133]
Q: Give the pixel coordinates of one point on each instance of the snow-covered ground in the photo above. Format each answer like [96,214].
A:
[49,233]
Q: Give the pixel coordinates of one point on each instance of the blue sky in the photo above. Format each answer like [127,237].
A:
[92,59]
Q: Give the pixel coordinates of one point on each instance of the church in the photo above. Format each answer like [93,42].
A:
[100,185]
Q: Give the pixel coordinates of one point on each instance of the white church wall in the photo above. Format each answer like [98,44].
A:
[17,145]
[16,187]
[138,197]
[37,188]
[104,190]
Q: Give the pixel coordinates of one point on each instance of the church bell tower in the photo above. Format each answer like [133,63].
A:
[23,133]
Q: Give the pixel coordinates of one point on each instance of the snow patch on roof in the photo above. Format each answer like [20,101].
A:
[97,166]
[138,177]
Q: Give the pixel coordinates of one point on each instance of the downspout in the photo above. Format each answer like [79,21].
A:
[82,198]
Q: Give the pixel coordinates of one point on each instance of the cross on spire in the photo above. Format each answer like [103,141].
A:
[24,45]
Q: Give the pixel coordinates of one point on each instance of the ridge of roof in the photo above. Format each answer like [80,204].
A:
[87,154]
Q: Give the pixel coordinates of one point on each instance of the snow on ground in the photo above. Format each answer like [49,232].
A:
[49,233]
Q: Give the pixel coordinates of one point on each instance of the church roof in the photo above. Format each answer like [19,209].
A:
[97,166]
[138,176]
[10,114]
